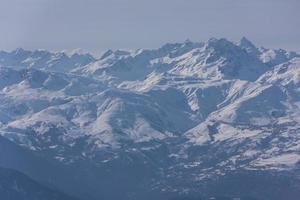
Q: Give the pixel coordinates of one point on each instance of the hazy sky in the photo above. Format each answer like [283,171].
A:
[98,25]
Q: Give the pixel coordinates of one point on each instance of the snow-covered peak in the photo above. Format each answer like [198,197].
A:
[42,59]
[214,59]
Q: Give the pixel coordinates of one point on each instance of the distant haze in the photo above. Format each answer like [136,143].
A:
[97,25]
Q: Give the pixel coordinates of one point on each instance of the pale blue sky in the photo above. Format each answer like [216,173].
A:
[98,25]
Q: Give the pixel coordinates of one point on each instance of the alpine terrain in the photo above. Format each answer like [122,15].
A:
[211,120]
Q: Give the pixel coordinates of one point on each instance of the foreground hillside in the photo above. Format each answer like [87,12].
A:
[15,186]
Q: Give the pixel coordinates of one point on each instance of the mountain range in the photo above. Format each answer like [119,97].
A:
[208,120]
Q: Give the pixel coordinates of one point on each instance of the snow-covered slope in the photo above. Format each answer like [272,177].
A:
[183,114]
